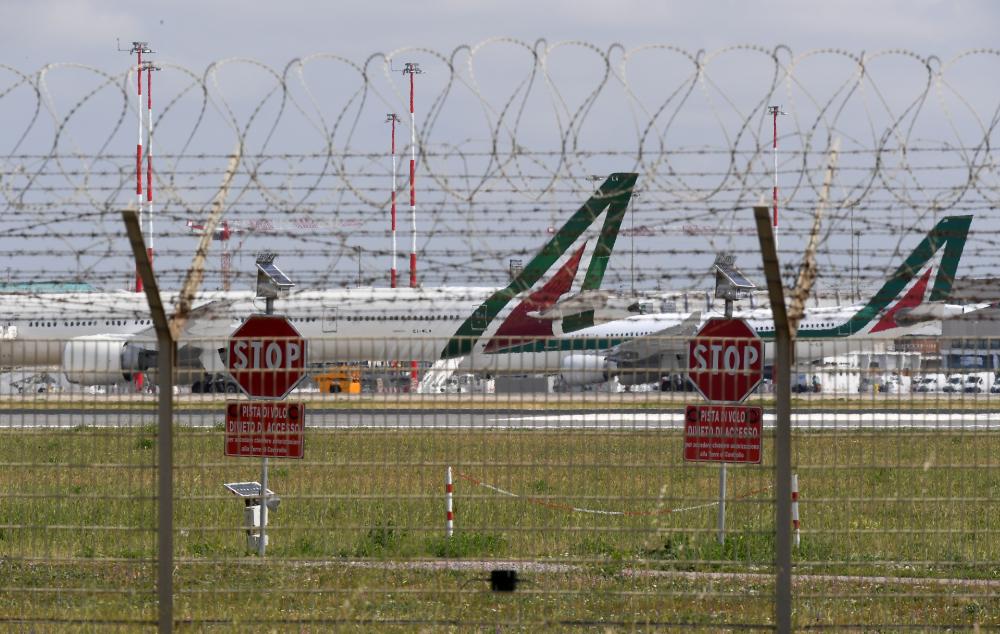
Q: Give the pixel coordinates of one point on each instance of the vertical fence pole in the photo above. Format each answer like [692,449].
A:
[166,353]
[782,425]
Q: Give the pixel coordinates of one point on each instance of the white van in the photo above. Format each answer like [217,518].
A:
[954,384]
[979,382]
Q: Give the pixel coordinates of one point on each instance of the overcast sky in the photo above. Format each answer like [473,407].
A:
[195,32]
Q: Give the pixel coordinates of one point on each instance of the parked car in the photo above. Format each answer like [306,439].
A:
[929,383]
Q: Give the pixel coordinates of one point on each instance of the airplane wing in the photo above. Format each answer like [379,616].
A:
[200,346]
[670,340]
[208,319]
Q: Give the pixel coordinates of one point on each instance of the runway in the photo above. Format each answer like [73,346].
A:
[486,419]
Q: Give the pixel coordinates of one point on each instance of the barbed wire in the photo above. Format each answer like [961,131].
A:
[511,138]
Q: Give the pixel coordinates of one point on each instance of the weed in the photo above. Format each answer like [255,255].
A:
[305,547]
[466,544]
[670,547]
[202,549]
[596,546]
[379,539]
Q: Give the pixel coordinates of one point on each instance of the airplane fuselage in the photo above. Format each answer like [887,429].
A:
[348,325]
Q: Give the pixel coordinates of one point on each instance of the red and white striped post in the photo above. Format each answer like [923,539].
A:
[795,507]
[412,69]
[150,67]
[139,48]
[775,111]
[393,119]
[449,490]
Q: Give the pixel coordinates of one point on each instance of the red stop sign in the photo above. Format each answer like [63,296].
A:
[267,356]
[726,360]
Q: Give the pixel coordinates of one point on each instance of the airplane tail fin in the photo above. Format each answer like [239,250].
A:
[907,288]
[565,255]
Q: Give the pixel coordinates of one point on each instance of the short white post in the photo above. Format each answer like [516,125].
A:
[449,490]
[795,507]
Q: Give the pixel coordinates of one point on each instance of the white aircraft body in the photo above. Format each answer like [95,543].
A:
[642,348]
[105,338]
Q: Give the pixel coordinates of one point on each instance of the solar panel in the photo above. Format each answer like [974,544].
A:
[271,282]
[730,283]
[275,274]
[246,489]
[735,276]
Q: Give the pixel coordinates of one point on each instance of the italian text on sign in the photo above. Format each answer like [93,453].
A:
[261,429]
[723,433]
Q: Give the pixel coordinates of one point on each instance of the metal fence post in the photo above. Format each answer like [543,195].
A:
[165,440]
[782,425]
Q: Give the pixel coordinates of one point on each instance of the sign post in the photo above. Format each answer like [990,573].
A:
[725,364]
[267,359]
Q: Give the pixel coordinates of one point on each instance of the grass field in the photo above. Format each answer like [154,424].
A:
[359,536]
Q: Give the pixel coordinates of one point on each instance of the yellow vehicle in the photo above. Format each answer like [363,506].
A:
[339,381]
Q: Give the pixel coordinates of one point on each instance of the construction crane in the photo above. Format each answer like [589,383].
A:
[222,233]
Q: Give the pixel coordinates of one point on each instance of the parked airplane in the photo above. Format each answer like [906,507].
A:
[104,338]
[642,348]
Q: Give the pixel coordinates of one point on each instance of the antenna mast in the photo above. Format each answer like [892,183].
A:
[138,48]
[393,118]
[412,69]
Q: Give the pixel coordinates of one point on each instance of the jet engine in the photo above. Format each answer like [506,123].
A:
[585,369]
[102,360]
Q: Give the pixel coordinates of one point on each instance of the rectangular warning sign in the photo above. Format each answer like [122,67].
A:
[262,429]
[723,433]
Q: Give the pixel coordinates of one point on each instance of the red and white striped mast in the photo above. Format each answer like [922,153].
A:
[139,48]
[393,118]
[775,111]
[150,67]
[412,69]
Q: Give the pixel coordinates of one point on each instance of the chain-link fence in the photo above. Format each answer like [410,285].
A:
[572,502]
